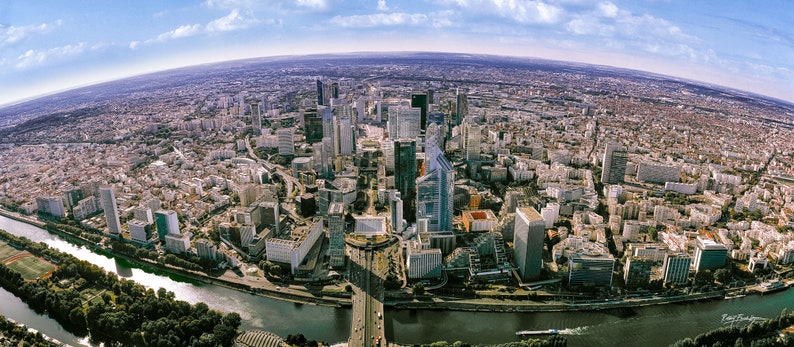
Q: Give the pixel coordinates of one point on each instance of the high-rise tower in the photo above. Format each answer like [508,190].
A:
[614,164]
[405,175]
[528,242]
[107,198]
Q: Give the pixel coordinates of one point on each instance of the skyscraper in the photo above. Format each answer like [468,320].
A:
[420,101]
[256,119]
[336,234]
[709,255]
[313,126]
[404,122]
[320,93]
[472,138]
[286,144]
[396,208]
[167,223]
[614,164]
[528,242]
[107,198]
[462,109]
[405,176]
[435,191]
[343,118]
[676,269]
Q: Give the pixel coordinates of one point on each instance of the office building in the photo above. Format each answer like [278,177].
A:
[479,220]
[676,269]
[336,234]
[404,122]
[590,269]
[405,177]
[313,126]
[637,272]
[420,101]
[462,108]
[423,263]
[658,173]
[435,192]
[472,137]
[51,205]
[614,164]
[256,119]
[286,142]
[396,209]
[293,248]
[709,255]
[205,249]
[167,223]
[140,232]
[528,235]
[107,198]
[370,225]
[176,243]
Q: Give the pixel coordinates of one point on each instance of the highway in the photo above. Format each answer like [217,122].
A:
[367,328]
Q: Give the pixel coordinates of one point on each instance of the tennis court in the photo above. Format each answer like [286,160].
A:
[31,268]
[7,251]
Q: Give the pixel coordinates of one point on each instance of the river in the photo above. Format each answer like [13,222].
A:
[647,326]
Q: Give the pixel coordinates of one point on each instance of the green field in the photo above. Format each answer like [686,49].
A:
[7,251]
[31,267]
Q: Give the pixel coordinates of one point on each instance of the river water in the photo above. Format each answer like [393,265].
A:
[647,326]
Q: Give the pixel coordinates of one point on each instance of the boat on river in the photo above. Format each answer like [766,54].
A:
[537,332]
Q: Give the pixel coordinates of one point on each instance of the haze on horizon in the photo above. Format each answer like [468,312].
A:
[49,46]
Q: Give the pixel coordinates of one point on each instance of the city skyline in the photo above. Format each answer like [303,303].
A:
[51,47]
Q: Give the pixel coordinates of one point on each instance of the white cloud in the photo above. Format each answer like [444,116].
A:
[433,19]
[182,31]
[33,57]
[619,28]
[313,4]
[229,4]
[382,5]
[233,21]
[521,11]
[12,34]
[608,9]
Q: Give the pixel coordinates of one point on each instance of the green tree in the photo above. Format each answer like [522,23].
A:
[418,288]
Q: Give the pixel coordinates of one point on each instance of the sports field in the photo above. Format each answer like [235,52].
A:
[6,251]
[28,265]
[31,267]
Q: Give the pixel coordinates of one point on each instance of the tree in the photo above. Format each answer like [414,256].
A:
[723,275]
[704,277]
[418,288]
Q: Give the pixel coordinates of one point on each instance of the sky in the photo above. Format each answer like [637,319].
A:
[54,45]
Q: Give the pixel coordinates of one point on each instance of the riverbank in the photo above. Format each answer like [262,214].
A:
[300,295]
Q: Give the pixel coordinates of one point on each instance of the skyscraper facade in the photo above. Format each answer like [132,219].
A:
[420,101]
[167,223]
[336,234]
[404,122]
[614,164]
[405,176]
[709,255]
[528,235]
[676,269]
[286,143]
[462,109]
[107,198]
[472,138]
[435,192]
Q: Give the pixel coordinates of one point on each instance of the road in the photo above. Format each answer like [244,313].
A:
[367,328]
[287,178]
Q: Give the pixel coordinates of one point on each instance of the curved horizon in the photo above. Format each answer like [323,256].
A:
[52,46]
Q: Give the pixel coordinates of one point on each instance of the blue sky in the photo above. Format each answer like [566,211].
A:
[52,45]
